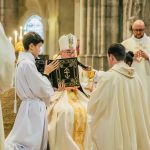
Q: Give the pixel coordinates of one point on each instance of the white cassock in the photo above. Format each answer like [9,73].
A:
[30,128]
[118,111]
[68,123]
[7,62]
[142,67]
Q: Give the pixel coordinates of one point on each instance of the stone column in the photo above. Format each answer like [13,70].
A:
[83,31]
[2,11]
[53,25]
[96,35]
[11,16]
[89,42]
[77,18]
[102,30]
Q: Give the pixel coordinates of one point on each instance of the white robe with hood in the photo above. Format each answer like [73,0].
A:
[119,118]
[7,63]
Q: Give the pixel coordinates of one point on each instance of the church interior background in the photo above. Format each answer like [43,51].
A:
[96,23]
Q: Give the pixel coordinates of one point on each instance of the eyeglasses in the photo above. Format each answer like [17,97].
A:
[138,30]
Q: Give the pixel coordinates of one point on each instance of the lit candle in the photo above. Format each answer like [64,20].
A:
[16,34]
[20,36]
[10,39]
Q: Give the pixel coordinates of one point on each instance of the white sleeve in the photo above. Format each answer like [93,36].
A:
[39,85]
[7,60]
[97,75]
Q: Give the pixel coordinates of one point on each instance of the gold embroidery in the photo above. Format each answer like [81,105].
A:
[130,72]
[80,118]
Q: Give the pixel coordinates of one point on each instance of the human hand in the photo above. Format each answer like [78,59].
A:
[51,67]
[72,88]
[137,54]
[61,86]
[88,68]
[89,88]
[144,55]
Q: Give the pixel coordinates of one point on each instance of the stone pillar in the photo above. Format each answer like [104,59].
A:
[89,42]
[77,18]
[2,11]
[83,31]
[53,25]
[96,35]
[102,30]
[10,16]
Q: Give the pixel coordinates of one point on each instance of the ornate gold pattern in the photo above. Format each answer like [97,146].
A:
[80,118]
[70,71]
[67,73]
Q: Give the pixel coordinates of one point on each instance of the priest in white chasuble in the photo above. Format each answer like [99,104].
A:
[119,118]
[139,43]
[7,63]
[67,115]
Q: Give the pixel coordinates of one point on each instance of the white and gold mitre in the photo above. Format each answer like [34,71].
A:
[68,41]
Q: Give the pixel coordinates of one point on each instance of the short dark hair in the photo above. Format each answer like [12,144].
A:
[118,51]
[31,37]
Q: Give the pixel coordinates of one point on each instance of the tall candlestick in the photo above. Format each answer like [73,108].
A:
[10,39]
[16,35]
[20,35]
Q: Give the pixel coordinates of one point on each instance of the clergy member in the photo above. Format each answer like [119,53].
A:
[139,43]
[119,118]
[7,62]
[67,115]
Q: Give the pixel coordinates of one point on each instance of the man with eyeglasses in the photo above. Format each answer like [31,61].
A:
[139,43]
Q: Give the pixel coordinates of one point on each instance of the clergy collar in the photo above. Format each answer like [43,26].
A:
[143,38]
[26,55]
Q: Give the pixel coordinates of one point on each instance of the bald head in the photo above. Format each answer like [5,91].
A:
[138,23]
[138,29]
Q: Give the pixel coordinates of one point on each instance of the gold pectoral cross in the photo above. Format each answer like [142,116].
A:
[67,72]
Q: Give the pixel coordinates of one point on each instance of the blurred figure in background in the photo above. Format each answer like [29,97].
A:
[7,64]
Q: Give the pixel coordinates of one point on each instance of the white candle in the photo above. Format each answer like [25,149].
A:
[10,39]
[20,35]
[16,35]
